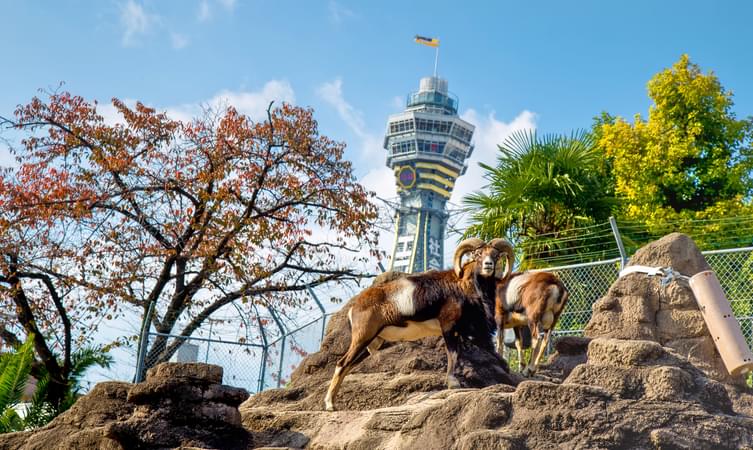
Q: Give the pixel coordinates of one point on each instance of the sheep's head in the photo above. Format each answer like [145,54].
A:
[488,256]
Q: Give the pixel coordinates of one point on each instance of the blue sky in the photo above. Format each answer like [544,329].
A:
[550,65]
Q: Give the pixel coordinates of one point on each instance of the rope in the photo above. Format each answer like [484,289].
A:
[667,273]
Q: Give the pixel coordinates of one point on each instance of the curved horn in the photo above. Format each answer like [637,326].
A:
[464,247]
[505,249]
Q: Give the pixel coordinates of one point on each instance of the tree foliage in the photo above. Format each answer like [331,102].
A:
[540,187]
[188,217]
[691,159]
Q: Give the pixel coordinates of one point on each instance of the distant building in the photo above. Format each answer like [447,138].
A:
[187,353]
[427,147]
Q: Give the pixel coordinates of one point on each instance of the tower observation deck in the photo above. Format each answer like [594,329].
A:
[427,147]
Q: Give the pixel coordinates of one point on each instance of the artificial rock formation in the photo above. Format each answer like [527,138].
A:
[630,394]
[644,377]
[638,307]
[178,405]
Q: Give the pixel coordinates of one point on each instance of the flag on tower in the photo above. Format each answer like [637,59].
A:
[431,42]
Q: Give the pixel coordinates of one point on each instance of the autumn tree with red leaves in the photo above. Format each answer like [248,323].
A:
[187,217]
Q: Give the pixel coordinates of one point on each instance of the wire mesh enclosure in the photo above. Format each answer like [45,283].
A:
[590,281]
[594,256]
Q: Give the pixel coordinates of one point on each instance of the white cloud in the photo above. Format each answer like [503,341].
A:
[110,114]
[206,9]
[135,21]
[228,4]
[489,133]
[332,94]
[205,12]
[338,13]
[253,104]
[398,102]
[178,40]
[382,181]
[379,177]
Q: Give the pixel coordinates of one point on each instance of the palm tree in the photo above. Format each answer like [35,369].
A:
[15,370]
[40,411]
[542,186]
[14,373]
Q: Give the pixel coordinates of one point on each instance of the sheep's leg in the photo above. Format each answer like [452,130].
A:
[547,323]
[536,344]
[363,333]
[451,342]
[519,348]
[544,342]
[448,316]
[375,344]
[342,368]
[500,335]
[499,319]
[501,342]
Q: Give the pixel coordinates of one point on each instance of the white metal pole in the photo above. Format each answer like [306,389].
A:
[436,58]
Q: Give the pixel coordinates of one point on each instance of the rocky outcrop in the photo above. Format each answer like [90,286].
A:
[643,377]
[179,404]
[629,394]
[638,307]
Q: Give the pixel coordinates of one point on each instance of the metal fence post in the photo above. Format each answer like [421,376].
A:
[618,238]
[321,309]
[263,369]
[284,333]
[143,340]
[206,357]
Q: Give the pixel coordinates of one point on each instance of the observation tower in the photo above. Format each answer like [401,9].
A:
[427,147]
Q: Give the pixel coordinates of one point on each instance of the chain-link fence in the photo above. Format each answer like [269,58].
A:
[590,281]
[251,366]
[286,353]
[241,362]
[268,363]
[586,283]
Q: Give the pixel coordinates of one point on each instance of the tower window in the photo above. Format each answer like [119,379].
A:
[401,126]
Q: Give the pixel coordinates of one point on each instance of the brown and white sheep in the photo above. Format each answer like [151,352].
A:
[529,299]
[421,305]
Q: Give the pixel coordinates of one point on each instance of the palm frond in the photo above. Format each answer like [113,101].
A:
[10,421]
[541,184]
[15,374]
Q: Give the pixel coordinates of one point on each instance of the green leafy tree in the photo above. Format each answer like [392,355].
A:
[540,187]
[691,159]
